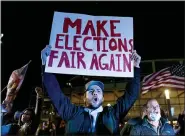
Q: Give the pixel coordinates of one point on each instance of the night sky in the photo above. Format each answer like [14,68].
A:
[158,33]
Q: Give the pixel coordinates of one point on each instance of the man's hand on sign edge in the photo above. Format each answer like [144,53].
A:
[45,53]
[136,58]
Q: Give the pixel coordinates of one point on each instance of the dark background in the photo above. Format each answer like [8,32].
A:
[158,34]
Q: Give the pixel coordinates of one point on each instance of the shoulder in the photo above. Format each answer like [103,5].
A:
[134,121]
[9,129]
[137,126]
[136,130]
[168,129]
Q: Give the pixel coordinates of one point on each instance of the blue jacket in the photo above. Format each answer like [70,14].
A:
[145,129]
[79,120]
[128,127]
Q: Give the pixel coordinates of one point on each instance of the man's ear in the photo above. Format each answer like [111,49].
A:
[84,97]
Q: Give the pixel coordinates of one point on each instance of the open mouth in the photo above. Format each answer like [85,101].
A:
[95,99]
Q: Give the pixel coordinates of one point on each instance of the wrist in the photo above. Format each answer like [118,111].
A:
[137,66]
[40,96]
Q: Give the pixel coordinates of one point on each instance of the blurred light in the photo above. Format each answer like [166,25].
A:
[1,37]
[172,110]
[68,83]
[167,94]
[108,104]
[85,78]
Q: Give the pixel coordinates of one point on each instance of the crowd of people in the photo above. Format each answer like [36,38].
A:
[91,119]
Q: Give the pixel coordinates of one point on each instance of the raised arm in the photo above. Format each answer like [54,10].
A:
[131,94]
[62,103]
[38,108]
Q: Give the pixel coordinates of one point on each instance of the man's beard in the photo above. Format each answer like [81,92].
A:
[92,107]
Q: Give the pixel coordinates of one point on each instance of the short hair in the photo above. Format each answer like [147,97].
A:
[144,107]
[151,99]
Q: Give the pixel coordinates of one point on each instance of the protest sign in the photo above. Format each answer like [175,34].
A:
[91,45]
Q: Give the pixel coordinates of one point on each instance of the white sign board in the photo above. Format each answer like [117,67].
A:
[91,45]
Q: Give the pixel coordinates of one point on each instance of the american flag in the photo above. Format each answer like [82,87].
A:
[171,77]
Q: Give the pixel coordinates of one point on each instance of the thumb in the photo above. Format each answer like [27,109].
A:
[49,46]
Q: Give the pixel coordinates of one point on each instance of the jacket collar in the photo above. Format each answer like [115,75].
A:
[162,122]
[91,111]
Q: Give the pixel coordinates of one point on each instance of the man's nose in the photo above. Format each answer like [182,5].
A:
[95,93]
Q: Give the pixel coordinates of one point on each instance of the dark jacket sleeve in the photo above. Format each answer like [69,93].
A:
[136,131]
[62,103]
[180,120]
[125,130]
[131,94]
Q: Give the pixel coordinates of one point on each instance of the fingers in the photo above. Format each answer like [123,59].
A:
[49,46]
[38,89]
[47,50]
[136,58]
[45,53]
[134,55]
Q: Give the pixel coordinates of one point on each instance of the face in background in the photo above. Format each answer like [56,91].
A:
[62,124]
[94,97]
[143,111]
[26,116]
[153,111]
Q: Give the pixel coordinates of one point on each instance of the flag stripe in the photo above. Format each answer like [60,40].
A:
[168,77]
[148,79]
[168,85]
[172,83]
[168,80]
[159,77]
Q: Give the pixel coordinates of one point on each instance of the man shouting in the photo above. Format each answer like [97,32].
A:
[93,118]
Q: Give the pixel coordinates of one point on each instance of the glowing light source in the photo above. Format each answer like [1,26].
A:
[108,104]
[167,94]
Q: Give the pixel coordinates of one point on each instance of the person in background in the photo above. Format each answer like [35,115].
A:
[28,120]
[164,114]
[93,118]
[180,121]
[60,129]
[132,122]
[46,128]
[152,124]
[7,115]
